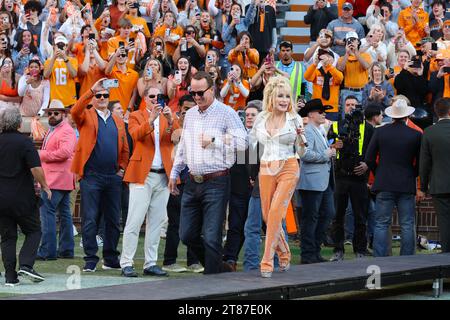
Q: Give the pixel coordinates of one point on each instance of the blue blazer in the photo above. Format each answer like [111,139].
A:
[315,165]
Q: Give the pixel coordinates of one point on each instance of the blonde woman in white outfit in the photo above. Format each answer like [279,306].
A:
[278,129]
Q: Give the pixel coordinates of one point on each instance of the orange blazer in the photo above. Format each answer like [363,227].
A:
[144,146]
[87,124]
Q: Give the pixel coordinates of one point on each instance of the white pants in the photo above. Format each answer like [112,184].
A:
[146,201]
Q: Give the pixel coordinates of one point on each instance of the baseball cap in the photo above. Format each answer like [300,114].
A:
[326,32]
[425,40]
[347,5]
[286,44]
[351,34]
[61,39]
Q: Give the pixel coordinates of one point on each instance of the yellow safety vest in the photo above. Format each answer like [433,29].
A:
[362,128]
[295,78]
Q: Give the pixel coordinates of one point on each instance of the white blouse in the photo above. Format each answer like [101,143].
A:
[283,145]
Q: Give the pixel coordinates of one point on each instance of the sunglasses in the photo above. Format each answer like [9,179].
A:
[123,55]
[152,96]
[190,32]
[53,113]
[198,93]
[158,43]
[104,95]
[320,112]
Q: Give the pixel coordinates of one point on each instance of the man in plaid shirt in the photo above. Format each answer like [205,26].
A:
[212,133]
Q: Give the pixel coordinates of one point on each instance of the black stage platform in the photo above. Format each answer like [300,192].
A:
[300,281]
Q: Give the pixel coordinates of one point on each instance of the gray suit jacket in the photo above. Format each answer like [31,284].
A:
[435,158]
[315,165]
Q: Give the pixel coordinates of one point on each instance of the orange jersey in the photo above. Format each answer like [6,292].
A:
[62,85]
[414,32]
[234,97]
[312,74]
[113,45]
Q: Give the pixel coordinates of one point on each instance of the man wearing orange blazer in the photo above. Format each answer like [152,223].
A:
[101,157]
[147,173]
[56,157]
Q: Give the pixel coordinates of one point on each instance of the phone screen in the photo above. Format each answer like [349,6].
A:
[161,100]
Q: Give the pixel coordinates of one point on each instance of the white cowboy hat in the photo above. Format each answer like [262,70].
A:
[399,109]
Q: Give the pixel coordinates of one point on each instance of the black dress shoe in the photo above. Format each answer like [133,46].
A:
[321,259]
[155,271]
[45,258]
[60,256]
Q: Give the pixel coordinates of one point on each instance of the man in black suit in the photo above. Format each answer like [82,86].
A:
[398,147]
[435,168]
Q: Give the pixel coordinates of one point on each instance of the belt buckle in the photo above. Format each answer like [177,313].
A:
[198,179]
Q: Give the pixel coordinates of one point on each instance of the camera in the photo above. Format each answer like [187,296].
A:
[349,134]
[60,45]
[416,62]
[91,36]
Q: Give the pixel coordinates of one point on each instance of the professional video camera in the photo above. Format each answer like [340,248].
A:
[349,134]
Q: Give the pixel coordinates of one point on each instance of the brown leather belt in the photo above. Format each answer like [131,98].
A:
[209,176]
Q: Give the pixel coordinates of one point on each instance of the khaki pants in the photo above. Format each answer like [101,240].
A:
[147,201]
[277,182]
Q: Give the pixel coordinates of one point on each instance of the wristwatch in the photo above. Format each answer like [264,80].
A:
[213,139]
[66,60]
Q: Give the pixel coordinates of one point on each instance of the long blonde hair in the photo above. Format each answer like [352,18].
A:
[271,91]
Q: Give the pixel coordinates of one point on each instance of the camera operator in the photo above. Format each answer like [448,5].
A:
[353,135]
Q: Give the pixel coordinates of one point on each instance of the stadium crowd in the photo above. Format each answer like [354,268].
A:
[191,115]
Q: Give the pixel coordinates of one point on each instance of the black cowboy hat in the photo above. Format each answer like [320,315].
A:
[313,105]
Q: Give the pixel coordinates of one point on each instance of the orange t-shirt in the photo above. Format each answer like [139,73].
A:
[127,83]
[62,85]
[90,78]
[234,98]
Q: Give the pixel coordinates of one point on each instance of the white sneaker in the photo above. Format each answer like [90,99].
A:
[337,256]
[174,268]
[197,268]
[75,231]
[99,241]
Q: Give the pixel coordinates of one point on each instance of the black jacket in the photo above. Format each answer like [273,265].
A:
[435,158]
[319,19]
[398,147]
[413,87]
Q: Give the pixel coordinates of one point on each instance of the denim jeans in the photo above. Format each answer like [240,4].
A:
[60,202]
[318,210]
[405,203]
[100,194]
[371,219]
[203,208]
[236,220]
[172,234]
[252,233]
